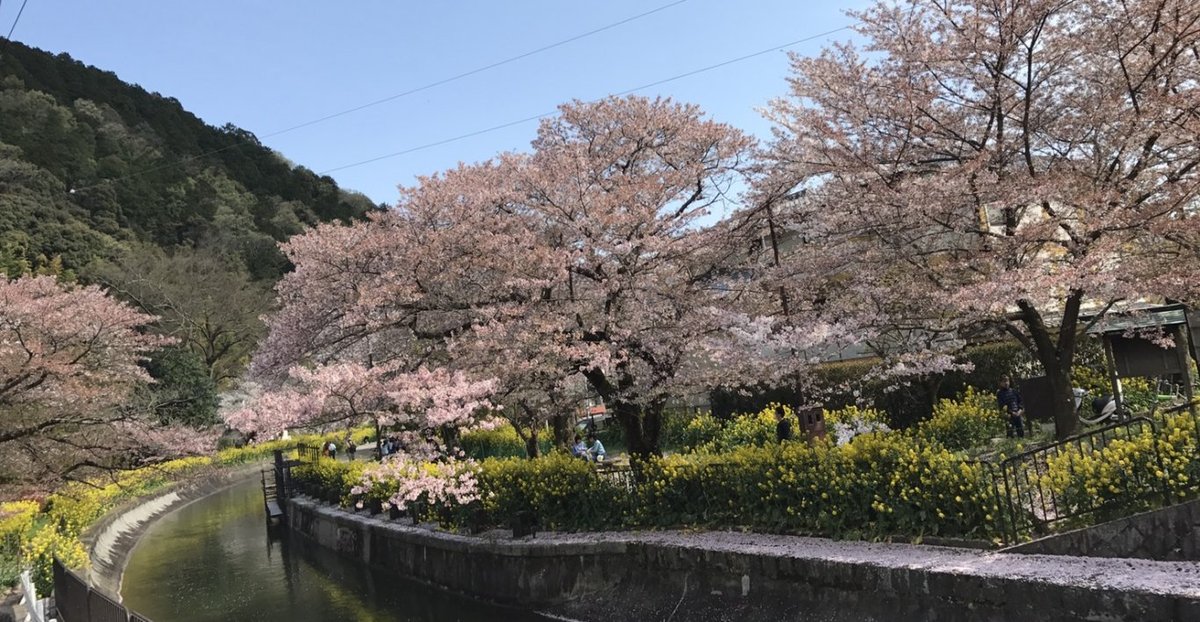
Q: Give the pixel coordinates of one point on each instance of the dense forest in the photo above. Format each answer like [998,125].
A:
[103,182]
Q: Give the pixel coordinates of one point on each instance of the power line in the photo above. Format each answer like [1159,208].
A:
[547,114]
[19,12]
[377,102]
[477,70]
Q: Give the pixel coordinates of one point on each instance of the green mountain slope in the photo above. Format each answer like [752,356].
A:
[89,163]
[104,182]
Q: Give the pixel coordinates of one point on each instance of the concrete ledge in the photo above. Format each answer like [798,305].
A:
[1170,533]
[733,576]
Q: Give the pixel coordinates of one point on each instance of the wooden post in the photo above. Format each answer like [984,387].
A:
[812,423]
[1114,380]
[1185,365]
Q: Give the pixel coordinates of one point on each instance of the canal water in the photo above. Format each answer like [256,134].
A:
[213,561]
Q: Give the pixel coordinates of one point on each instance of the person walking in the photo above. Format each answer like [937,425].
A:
[1009,400]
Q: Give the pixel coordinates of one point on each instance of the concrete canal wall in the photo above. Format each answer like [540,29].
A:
[111,541]
[718,576]
[1170,533]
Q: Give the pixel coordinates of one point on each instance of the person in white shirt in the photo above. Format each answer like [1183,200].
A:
[596,451]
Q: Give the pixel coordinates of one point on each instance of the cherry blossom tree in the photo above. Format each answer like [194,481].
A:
[348,394]
[69,368]
[586,252]
[1015,165]
[623,183]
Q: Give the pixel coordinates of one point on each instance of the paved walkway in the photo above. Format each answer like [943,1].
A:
[1175,578]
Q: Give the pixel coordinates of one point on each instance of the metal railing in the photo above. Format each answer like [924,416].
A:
[35,605]
[304,453]
[1032,502]
[77,601]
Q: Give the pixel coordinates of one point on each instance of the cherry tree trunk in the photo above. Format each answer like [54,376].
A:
[562,431]
[531,443]
[642,426]
[1062,400]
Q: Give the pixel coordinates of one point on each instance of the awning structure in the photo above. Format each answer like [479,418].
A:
[1139,318]
[1128,355]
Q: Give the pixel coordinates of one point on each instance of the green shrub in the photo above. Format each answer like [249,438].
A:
[502,442]
[1140,394]
[330,480]
[563,492]
[702,430]
[676,422]
[970,421]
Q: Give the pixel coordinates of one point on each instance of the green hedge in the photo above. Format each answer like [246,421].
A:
[878,485]
[840,384]
[967,422]
[501,442]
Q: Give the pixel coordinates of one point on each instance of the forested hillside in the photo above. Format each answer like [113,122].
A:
[104,182]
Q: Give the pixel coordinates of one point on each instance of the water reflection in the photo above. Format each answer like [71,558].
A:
[212,560]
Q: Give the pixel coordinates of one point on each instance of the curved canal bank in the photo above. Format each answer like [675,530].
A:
[111,541]
[213,560]
[609,577]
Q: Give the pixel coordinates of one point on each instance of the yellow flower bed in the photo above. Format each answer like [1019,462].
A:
[851,415]
[16,519]
[970,421]
[39,551]
[564,492]
[33,538]
[707,435]
[878,485]
[1126,475]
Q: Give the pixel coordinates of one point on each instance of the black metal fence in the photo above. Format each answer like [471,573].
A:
[304,453]
[77,601]
[1034,499]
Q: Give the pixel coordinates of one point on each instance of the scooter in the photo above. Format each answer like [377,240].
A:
[1103,407]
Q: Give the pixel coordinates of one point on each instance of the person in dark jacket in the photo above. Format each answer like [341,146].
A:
[1011,406]
[783,427]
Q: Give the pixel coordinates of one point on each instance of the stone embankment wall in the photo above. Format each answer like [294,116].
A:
[1171,533]
[111,540]
[717,576]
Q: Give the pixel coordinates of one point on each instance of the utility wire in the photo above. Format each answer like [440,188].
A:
[548,114]
[19,12]
[477,70]
[377,102]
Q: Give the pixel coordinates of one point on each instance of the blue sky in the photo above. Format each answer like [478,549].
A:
[267,66]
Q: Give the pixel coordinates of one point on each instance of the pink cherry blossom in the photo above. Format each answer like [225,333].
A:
[979,170]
